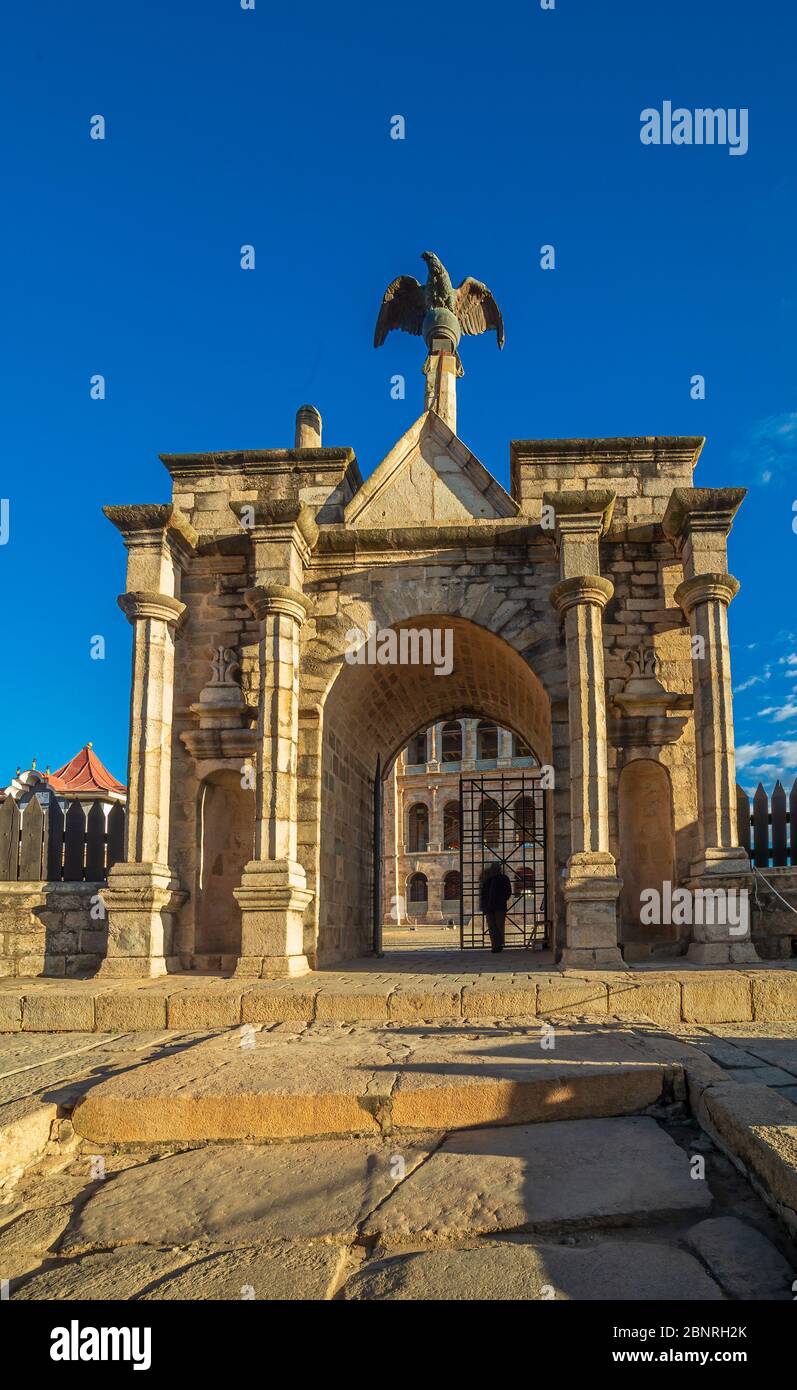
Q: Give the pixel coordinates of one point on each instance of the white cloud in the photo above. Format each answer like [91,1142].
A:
[768,761]
[745,685]
[771,446]
[779,712]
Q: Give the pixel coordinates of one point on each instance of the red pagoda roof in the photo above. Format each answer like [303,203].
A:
[84,775]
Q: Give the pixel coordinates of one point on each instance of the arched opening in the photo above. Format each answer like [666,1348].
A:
[418,829]
[452,742]
[416,749]
[646,848]
[226,821]
[489,821]
[417,894]
[451,825]
[486,741]
[451,886]
[374,711]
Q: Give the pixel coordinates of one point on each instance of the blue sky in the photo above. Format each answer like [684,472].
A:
[227,126]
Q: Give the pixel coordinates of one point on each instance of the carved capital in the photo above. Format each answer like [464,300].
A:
[705,588]
[578,513]
[693,509]
[277,598]
[139,605]
[140,523]
[583,588]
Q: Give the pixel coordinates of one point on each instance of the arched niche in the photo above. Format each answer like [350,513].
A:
[226,821]
[646,845]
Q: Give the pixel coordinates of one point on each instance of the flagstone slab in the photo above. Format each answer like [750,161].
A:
[243,1194]
[285,1270]
[741,1259]
[109,1274]
[510,1270]
[562,1175]
[333,1079]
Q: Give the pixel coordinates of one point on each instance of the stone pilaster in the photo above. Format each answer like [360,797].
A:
[143,893]
[434,748]
[591,887]
[273,893]
[698,521]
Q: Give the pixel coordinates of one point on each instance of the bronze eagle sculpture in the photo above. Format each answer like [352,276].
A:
[437,307]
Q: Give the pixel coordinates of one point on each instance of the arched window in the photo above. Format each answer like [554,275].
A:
[451,887]
[452,742]
[418,839]
[490,821]
[417,892]
[523,812]
[451,825]
[486,741]
[416,750]
[524,882]
[520,749]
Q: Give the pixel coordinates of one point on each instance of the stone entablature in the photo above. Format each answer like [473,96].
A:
[600,547]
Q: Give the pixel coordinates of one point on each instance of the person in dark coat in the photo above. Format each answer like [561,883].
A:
[496,890]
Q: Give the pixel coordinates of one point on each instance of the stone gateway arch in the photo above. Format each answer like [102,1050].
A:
[586,611]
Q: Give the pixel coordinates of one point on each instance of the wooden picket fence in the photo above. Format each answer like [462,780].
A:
[769,831]
[39,843]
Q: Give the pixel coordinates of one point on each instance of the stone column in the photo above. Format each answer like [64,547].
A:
[435,827]
[469,744]
[591,887]
[434,748]
[698,521]
[143,894]
[273,893]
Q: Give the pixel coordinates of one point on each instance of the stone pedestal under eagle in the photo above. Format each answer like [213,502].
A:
[436,309]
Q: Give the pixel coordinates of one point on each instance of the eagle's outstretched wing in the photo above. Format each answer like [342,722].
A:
[403,306]
[477,311]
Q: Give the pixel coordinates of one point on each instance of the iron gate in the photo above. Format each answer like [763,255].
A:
[502,820]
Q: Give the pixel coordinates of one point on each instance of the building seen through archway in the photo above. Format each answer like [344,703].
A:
[423,877]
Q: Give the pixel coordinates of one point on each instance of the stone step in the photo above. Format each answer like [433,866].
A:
[336,1082]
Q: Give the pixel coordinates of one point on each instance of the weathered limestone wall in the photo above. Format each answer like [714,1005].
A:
[48,929]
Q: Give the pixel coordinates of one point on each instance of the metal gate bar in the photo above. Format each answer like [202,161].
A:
[502,820]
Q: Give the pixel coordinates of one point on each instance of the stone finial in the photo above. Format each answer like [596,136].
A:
[308,428]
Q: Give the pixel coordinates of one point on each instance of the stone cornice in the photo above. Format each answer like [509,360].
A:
[142,522]
[140,604]
[704,588]
[581,512]
[686,446]
[277,517]
[344,540]
[262,462]
[701,509]
[277,598]
[582,588]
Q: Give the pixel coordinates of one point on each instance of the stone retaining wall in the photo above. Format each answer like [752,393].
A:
[774,926]
[49,929]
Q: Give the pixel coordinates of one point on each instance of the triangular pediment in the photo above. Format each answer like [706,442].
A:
[429,478]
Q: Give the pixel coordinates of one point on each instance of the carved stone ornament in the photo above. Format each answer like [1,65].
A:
[647,708]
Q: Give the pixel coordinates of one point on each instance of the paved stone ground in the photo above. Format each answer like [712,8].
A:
[570,1209]
[589,1209]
